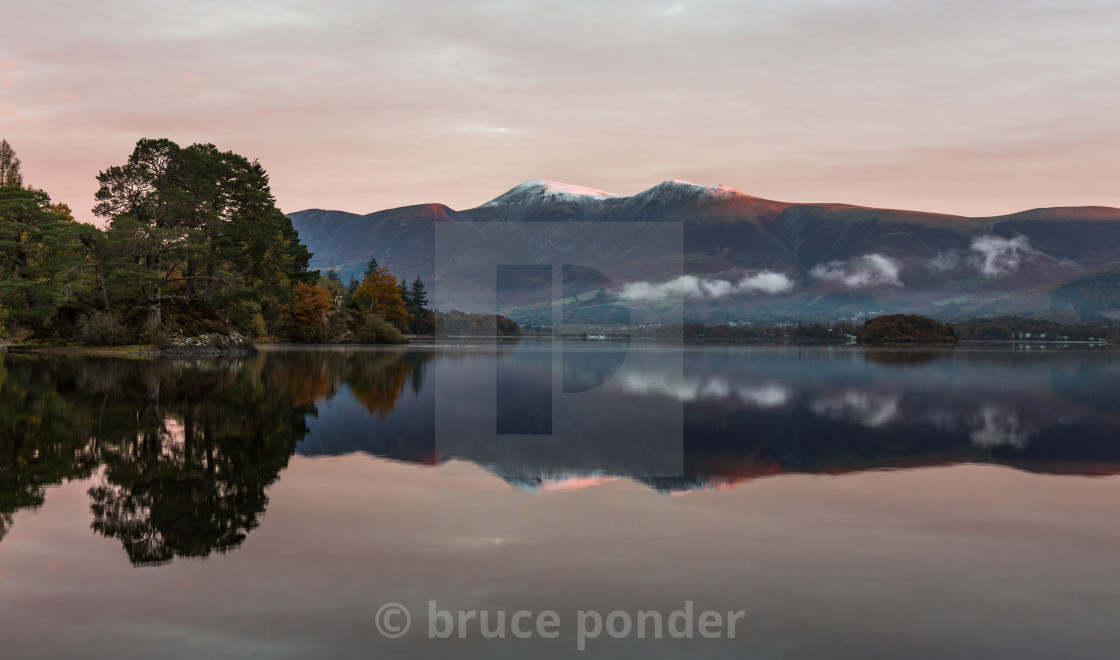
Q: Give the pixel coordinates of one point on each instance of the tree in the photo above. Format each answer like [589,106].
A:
[203,231]
[380,293]
[418,294]
[423,320]
[148,198]
[307,310]
[40,263]
[371,268]
[10,175]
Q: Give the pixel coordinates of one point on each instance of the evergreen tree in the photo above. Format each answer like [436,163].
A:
[10,175]
[200,227]
[371,269]
[418,294]
[40,263]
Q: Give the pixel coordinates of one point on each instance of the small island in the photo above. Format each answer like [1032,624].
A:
[906,329]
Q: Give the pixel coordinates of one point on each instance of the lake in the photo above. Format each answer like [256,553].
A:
[629,500]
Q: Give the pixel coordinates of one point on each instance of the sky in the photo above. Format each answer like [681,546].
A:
[975,107]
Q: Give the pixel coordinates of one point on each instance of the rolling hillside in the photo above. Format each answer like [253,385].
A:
[822,260]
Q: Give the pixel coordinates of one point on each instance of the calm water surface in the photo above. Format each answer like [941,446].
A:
[850,503]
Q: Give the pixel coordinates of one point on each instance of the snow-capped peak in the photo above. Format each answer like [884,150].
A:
[568,189]
[685,187]
[543,189]
[542,192]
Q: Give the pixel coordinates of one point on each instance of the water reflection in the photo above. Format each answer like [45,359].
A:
[180,454]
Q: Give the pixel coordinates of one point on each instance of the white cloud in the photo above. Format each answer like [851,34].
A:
[944,262]
[768,395]
[995,426]
[998,256]
[691,286]
[713,388]
[865,408]
[765,282]
[868,270]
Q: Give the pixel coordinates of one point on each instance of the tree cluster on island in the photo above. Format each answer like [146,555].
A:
[193,243]
[906,329]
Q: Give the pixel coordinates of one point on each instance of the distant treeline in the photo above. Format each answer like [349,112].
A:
[456,323]
[1016,328]
[895,328]
[843,332]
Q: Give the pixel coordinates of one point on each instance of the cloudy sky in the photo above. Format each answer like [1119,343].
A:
[976,107]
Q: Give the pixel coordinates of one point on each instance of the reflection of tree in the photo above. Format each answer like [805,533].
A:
[905,358]
[42,433]
[377,379]
[188,449]
[185,474]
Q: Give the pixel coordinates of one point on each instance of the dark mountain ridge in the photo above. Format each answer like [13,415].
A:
[944,265]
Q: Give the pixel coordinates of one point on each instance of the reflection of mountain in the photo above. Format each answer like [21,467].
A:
[771,411]
[188,450]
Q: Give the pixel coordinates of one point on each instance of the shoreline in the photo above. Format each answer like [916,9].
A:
[136,351]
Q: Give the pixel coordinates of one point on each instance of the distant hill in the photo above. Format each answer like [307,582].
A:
[830,260]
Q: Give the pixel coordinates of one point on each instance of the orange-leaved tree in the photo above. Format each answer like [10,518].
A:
[380,293]
[309,306]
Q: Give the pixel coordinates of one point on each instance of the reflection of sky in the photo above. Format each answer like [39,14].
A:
[905,564]
[999,399]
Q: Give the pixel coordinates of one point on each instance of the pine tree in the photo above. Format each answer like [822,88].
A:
[418,294]
[40,256]
[405,297]
[371,268]
[10,175]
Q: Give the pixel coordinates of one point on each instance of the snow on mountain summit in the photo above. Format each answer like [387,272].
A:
[543,191]
[678,187]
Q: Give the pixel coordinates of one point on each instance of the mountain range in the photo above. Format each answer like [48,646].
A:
[747,257]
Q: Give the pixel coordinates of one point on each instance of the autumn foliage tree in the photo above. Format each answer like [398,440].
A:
[308,310]
[380,293]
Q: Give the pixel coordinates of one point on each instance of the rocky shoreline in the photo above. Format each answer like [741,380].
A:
[204,345]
